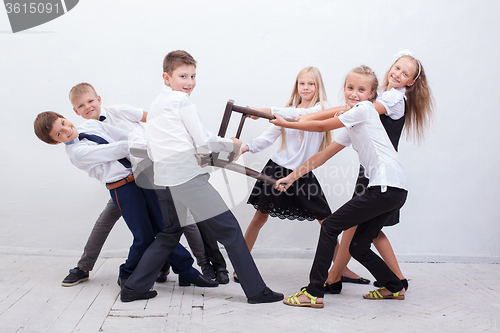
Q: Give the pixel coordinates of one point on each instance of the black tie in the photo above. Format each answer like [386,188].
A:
[102,118]
[97,139]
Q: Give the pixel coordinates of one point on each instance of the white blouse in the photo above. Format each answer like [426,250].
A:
[369,139]
[393,102]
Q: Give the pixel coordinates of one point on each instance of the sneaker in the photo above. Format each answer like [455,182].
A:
[75,276]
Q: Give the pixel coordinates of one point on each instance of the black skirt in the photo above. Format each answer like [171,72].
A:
[361,185]
[303,200]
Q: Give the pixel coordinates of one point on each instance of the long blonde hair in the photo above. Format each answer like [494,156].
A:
[319,97]
[420,103]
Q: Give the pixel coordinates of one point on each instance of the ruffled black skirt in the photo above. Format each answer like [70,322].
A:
[303,200]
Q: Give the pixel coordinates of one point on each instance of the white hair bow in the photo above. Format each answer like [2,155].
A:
[404,53]
[409,53]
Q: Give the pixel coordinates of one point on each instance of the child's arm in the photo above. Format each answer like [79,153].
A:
[126,112]
[325,114]
[311,126]
[91,154]
[314,162]
[263,141]
[380,108]
[391,103]
[202,137]
[99,154]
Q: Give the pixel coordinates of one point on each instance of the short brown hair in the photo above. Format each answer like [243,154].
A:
[175,59]
[79,90]
[43,125]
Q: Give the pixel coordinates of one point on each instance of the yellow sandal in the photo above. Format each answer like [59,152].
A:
[375,294]
[294,301]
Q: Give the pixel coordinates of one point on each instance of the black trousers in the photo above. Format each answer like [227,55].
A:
[209,210]
[369,211]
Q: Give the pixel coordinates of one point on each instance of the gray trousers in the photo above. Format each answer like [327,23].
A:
[208,208]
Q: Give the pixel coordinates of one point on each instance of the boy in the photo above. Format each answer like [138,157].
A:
[174,133]
[102,150]
[87,104]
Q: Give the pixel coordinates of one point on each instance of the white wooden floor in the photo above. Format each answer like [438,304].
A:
[443,297]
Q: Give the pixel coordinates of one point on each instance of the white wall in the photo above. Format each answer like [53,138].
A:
[251,51]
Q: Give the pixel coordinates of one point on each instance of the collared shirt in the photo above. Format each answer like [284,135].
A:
[175,134]
[369,139]
[128,118]
[100,161]
[300,145]
[123,116]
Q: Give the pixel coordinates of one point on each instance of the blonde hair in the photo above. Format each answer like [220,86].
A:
[420,103]
[365,70]
[80,89]
[319,97]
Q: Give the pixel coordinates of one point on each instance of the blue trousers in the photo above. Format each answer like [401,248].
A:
[142,213]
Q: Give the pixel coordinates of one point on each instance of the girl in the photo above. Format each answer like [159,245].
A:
[371,209]
[305,200]
[405,101]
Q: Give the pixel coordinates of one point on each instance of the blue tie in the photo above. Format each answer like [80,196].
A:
[97,139]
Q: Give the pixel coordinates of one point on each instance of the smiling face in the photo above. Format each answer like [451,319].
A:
[87,105]
[402,73]
[63,131]
[183,79]
[357,88]
[306,88]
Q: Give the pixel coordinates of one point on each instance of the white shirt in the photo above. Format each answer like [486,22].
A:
[128,118]
[369,139]
[393,102]
[175,134]
[123,116]
[295,152]
[100,161]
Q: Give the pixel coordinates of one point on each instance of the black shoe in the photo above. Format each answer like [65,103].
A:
[358,281]
[267,296]
[75,276]
[208,271]
[129,295]
[403,281]
[121,282]
[162,276]
[200,281]
[222,276]
[334,288]
[235,277]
